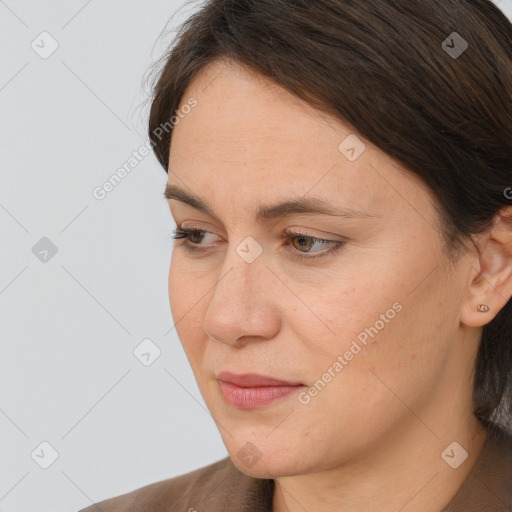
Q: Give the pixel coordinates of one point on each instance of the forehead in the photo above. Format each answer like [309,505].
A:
[250,138]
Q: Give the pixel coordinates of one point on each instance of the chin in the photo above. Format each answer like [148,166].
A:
[265,459]
[267,467]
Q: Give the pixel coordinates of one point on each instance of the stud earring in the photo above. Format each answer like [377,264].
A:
[483,308]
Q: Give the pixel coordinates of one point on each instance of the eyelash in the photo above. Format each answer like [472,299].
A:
[184,233]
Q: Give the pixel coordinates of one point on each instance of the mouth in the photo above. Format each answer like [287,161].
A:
[251,391]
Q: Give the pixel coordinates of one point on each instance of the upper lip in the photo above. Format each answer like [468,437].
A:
[253,380]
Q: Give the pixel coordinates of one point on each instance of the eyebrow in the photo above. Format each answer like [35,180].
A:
[309,205]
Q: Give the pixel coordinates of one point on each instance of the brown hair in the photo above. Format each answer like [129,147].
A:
[395,71]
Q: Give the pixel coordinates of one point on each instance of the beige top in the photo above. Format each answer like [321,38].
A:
[222,487]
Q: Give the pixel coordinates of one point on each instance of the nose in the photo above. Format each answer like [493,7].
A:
[244,306]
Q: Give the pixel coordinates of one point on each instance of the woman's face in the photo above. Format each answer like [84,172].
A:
[370,328]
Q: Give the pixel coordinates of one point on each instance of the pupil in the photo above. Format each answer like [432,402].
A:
[302,241]
[195,235]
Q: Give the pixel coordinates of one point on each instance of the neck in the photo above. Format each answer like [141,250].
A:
[404,472]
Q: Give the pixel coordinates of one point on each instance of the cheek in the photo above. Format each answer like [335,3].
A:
[356,311]
[184,290]
[380,329]
[397,354]
[181,300]
[188,301]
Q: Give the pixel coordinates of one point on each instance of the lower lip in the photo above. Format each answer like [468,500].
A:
[251,398]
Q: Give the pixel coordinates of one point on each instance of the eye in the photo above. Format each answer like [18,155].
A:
[303,241]
[194,236]
[189,234]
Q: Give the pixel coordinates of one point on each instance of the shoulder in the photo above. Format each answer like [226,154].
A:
[496,461]
[204,488]
[493,476]
[496,458]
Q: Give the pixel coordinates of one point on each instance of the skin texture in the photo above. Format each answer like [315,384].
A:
[372,438]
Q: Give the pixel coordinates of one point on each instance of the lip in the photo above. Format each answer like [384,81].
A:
[253,380]
[251,391]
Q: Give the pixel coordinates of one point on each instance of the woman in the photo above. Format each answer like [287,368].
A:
[340,173]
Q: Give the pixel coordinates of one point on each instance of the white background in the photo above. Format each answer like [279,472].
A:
[69,326]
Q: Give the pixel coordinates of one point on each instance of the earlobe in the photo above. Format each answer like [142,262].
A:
[491,288]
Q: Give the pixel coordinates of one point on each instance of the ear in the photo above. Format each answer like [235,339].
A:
[491,274]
